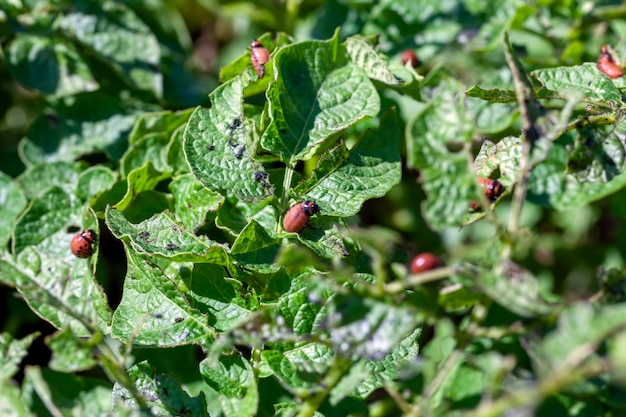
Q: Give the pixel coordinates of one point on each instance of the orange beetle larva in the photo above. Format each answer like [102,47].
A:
[492,190]
[259,55]
[607,64]
[425,261]
[409,56]
[298,216]
[81,244]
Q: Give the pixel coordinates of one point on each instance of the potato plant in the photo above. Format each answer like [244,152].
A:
[499,151]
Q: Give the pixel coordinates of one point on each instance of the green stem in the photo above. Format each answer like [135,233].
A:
[292,8]
[334,375]
[555,383]
[419,279]
[284,203]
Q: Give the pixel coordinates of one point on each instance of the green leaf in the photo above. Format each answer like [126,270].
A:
[517,291]
[234,216]
[437,355]
[369,375]
[256,249]
[219,149]
[71,354]
[12,351]
[363,55]
[163,394]
[495,95]
[12,398]
[150,148]
[244,64]
[301,368]
[580,326]
[285,409]
[150,140]
[242,407]
[60,289]
[550,186]
[45,216]
[39,178]
[139,180]
[616,359]
[323,237]
[493,118]
[598,155]
[12,202]
[364,328]
[332,94]
[65,394]
[119,39]
[213,293]
[299,313]
[154,310]
[176,154]
[229,375]
[340,185]
[444,124]
[86,124]
[162,235]
[583,78]
[450,188]
[51,65]
[95,180]
[164,122]
[192,201]
[503,156]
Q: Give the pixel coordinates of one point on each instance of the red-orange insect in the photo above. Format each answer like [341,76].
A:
[298,216]
[425,262]
[491,188]
[409,56]
[259,55]
[607,63]
[82,243]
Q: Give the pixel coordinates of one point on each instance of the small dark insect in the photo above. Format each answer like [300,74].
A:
[178,319]
[210,147]
[239,152]
[259,55]
[262,177]
[82,243]
[607,63]
[172,246]
[425,262]
[235,124]
[144,235]
[298,215]
[409,56]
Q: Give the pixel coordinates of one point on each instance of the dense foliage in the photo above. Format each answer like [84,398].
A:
[503,152]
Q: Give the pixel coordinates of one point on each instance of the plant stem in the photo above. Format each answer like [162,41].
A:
[334,375]
[556,382]
[419,279]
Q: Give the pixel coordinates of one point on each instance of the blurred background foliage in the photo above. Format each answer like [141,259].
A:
[460,40]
